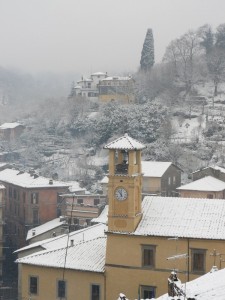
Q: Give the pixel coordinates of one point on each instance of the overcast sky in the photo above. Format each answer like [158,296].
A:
[87,36]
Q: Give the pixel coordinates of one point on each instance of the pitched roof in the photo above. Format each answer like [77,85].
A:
[154,168]
[207,183]
[84,256]
[10,125]
[209,286]
[103,217]
[58,222]
[125,143]
[173,216]
[27,180]
[61,241]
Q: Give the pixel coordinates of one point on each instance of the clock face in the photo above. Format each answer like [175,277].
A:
[121,194]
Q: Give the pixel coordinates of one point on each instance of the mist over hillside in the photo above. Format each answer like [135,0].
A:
[179,112]
[22,92]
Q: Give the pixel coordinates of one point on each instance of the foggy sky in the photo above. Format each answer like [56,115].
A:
[87,36]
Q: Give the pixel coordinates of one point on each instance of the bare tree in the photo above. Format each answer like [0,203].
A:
[216,67]
[182,54]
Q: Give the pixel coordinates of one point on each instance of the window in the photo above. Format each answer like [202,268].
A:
[14,193]
[169,181]
[198,260]
[35,217]
[147,292]
[10,192]
[34,198]
[24,197]
[174,179]
[95,292]
[33,285]
[80,201]
[148,256]
[61,289]
[96,201]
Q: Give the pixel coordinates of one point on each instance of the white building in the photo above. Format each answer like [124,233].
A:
[88,87]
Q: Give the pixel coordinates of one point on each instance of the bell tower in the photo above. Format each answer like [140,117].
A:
[125,184]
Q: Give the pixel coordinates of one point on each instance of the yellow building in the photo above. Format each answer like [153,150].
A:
[145,241]
[116,88]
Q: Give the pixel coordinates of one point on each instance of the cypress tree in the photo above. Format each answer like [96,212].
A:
[147,54]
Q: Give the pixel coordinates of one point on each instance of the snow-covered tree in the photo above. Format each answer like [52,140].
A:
[148,54]
[207,38]
[220,36]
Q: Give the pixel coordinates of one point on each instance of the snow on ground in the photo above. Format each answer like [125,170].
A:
[186,130]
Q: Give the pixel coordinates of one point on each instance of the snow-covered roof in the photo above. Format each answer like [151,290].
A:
[176,216]
[207,183]
[84,256]
[154,168]
[78,87]
[116,78]
[209,286]
[2,187]
[103,217]
[10,125]
[98,74]
[212,167]
[105,179]
[61,241]
[44,228]
[125,143]
[27,180]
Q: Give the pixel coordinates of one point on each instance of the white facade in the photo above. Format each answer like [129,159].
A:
[88,87]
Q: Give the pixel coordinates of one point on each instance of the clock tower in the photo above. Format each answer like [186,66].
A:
[125,184]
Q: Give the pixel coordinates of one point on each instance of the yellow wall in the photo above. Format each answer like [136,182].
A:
[78,283]
[124,271]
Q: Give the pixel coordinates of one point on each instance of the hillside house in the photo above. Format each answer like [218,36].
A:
[11,131]
[116,88]
[161,178]
[206,187]
[215,171]
[88,87]
[141,238]
[30,200]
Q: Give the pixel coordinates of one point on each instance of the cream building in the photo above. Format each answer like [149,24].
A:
[117,88]
[206,187]
[144,241]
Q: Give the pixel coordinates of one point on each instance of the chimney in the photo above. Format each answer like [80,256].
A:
[71,243]
[50,181]
[33,232]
